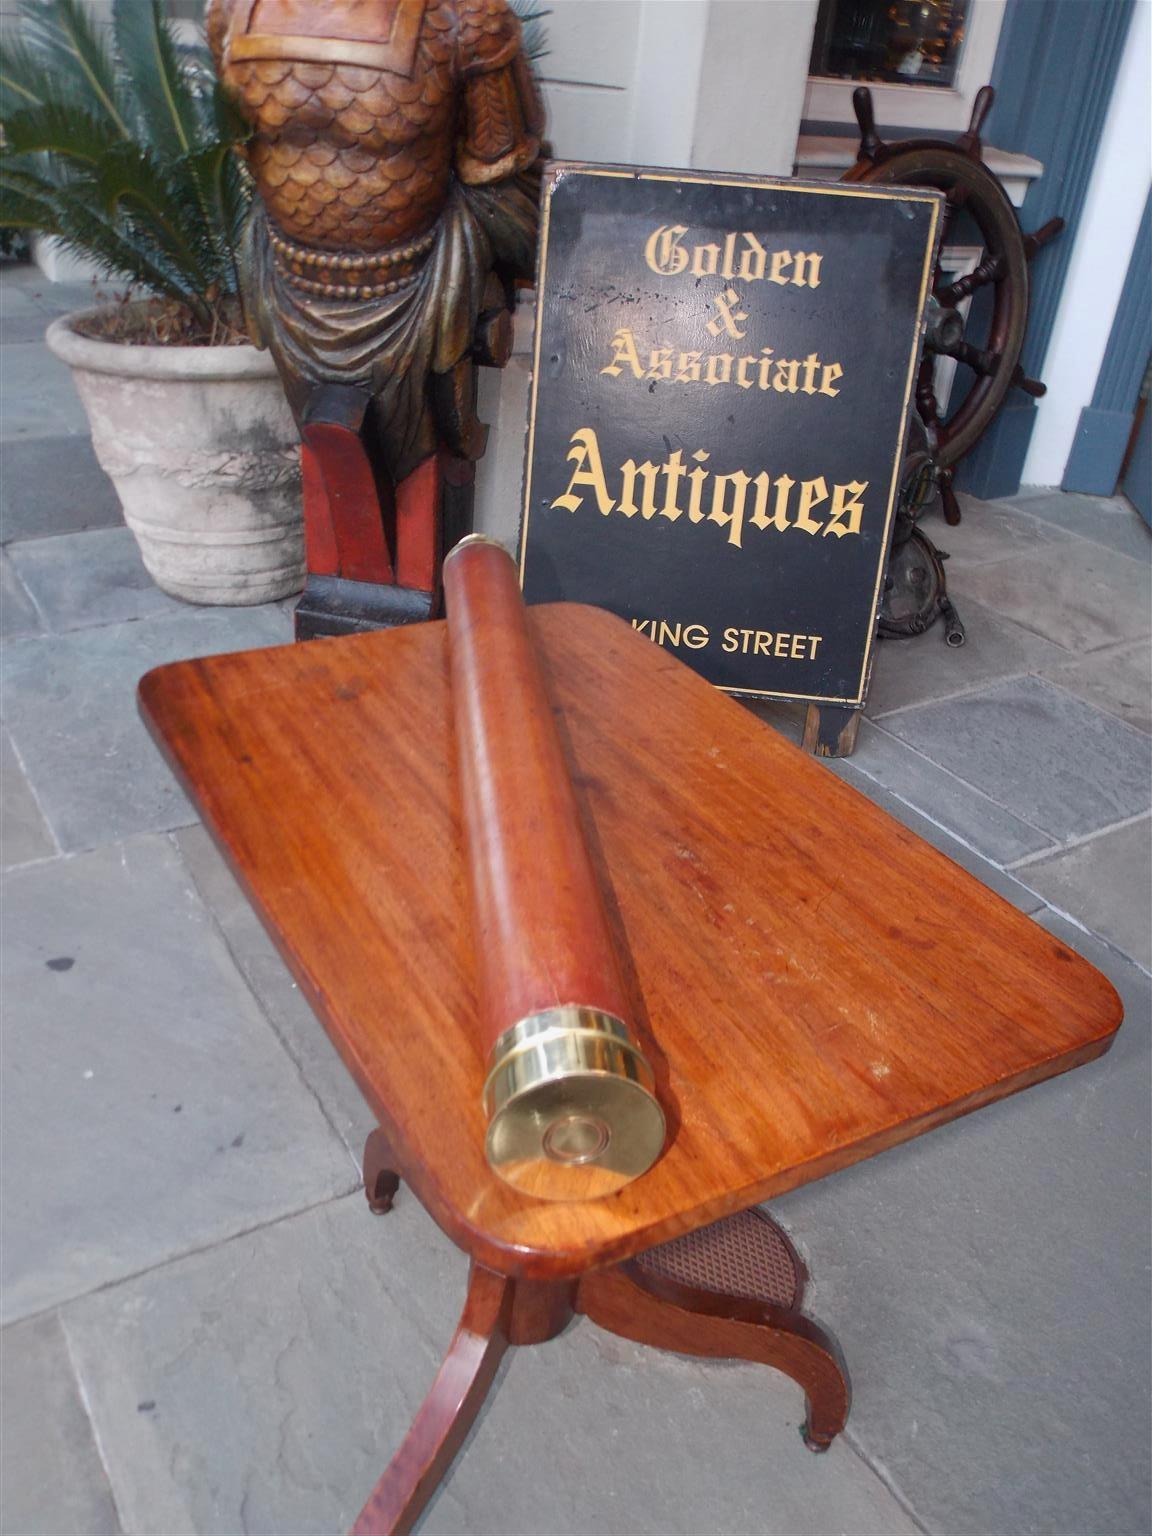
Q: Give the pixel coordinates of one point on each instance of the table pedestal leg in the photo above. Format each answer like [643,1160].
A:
[732,1290]
[498,1311]
[626,1300]
[447,1413]
[381,1181]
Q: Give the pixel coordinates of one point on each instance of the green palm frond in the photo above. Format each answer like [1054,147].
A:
[57,128]
[22,76]
[123,152]
[168,113]
[533,31]
[20,209]
[68,214]
[75,56]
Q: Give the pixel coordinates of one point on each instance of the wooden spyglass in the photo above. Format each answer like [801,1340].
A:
[572,1112]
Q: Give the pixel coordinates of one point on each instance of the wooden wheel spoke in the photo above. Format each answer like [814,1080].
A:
[926,393]
[959,173]
[870,141]
[990,270]
[1031,387]
[981,362]
[1046,232]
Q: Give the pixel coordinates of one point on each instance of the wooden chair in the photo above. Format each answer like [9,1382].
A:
[812,982]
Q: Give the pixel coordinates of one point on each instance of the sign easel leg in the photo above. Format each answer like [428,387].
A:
[830,731]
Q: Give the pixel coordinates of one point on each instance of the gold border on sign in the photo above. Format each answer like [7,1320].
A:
[560,170]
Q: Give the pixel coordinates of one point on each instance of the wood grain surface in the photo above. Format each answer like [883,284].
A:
[541,938]
[811,982]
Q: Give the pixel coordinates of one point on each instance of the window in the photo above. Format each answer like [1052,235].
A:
[915,42]
[923,59]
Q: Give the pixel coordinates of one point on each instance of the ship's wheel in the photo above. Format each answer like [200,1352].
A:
[986,342]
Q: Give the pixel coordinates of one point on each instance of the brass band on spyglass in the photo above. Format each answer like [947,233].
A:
[571,1105]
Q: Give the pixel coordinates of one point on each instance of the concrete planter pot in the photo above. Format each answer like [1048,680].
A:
[204,455]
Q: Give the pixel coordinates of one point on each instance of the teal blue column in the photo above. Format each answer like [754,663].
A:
[1055,68]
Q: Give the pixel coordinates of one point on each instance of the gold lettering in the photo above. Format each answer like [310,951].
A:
[673,474]
[726,303]
[728,502]
[786,381]
[624,351]
[779,518]
[667,255]
[729,641]
[696,478]
[648,473]
[812,492]
[766,371]
[673,633]
[705,260]
[810,262]
[847,508]
[585,454]
[734,519]
[664,253]
[688,371]
[781,261]
[752,259]
[726,267]
[784,484]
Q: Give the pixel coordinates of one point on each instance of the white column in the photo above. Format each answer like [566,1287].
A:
[753,76]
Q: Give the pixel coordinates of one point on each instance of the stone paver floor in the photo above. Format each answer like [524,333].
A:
[205,1331]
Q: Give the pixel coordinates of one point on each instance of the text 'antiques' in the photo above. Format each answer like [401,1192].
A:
[719,363]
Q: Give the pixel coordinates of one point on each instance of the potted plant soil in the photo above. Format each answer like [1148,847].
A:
[120,146]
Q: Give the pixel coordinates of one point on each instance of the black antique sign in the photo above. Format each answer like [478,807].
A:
[723,368]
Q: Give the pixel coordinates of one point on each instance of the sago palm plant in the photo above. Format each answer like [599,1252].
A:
[120,145]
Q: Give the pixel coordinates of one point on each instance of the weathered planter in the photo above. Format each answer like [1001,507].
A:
[204,455]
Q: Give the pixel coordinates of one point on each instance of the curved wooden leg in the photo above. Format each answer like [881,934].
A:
[661,1312]
[381,1181]
[447,1413]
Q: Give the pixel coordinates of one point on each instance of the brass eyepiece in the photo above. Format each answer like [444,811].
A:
[571,1106]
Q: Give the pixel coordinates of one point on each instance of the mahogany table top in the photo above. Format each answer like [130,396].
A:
[813,983]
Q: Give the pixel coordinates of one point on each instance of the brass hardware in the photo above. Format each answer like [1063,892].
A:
[571,1106]
[474,538]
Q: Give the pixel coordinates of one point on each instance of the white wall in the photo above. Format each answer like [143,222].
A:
[753,77]
[714,84]
[1100,259]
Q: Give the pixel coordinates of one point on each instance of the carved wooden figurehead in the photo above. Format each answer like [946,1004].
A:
[392,149]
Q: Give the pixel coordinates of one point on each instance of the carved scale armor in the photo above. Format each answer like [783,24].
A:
[389,145]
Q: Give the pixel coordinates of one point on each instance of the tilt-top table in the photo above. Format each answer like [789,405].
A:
[812,983]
